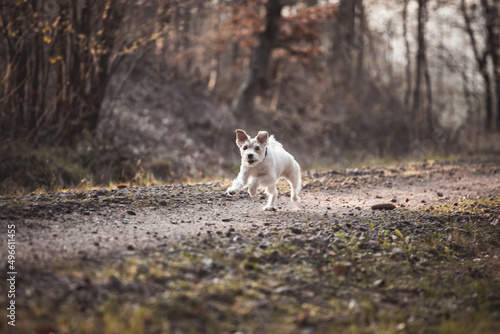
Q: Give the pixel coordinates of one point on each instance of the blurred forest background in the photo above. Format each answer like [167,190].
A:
[137,91]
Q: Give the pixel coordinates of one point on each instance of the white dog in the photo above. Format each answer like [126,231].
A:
[263,162]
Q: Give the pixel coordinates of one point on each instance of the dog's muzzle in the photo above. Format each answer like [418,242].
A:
[250,159]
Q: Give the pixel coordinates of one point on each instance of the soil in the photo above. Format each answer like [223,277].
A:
[64,240]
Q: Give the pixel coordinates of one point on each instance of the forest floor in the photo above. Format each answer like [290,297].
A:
[190,259]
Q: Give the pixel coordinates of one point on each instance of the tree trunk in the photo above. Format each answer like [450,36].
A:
[257,77]
[481,60]
[492,19]
[418,75]
[342,44]
[495,54]
[360,42]
[408,54]
[422,117]
[428,87]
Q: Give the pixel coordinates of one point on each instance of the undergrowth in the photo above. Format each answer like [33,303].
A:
[25,168]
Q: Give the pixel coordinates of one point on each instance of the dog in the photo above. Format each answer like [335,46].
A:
[263,162]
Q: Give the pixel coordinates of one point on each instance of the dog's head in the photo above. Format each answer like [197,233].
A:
[253,150]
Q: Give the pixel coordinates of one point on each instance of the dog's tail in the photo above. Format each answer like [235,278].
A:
[274,143]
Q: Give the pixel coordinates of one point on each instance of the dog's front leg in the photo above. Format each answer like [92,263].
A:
[272,192]
[239,182]
[253,186]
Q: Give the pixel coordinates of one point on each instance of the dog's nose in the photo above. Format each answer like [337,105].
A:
[250,156]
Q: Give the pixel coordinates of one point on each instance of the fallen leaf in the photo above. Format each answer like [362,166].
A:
[46,330]
[302,318]
[341,269]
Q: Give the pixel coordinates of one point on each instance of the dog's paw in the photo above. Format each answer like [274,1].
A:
[231,192]
[268,208]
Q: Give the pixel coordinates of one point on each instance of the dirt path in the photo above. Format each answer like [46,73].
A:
[190,259]
[123,220]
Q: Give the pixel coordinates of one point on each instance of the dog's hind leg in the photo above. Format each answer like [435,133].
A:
[295,184]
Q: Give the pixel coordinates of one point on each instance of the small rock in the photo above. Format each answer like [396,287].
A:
[296,230]
[115,283]
[283,290]
[130,212]
[274,256]
[130,247]
[353,305]
[162,203]
[300,242]
[397,250]
[264,245]
[394,200]
[101,192]
[439,194]
[226,220]
[142,269]
[384,206]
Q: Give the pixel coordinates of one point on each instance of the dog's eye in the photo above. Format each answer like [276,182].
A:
[245,147]
[257,148]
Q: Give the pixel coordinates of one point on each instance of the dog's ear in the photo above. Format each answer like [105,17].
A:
[241,137]
[262,137]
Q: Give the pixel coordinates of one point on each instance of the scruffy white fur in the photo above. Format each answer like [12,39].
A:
[261,169]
